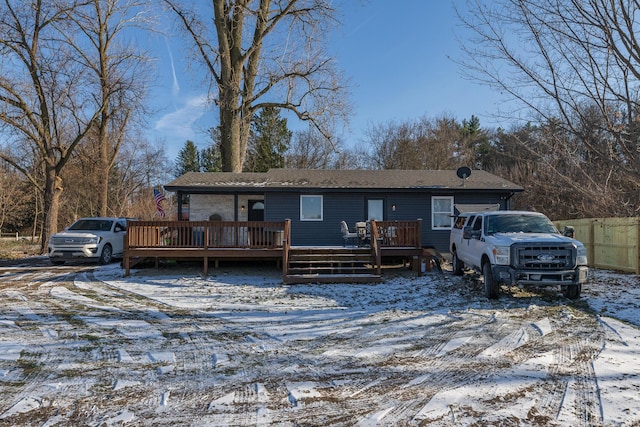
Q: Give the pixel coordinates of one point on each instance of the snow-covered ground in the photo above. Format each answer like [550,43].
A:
[88,346]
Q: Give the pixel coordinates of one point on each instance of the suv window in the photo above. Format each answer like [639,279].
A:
[91,225]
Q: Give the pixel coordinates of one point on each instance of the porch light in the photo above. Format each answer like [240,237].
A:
[242,208]
[393,207]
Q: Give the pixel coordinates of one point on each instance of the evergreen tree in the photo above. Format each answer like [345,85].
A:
[188,159]
[210,160]
[470,127]
[269,141]
[477,142]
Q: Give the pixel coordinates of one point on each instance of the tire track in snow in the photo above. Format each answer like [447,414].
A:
[572,389]
[372,369]
[466,366]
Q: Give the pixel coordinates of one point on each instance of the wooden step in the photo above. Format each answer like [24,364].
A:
[330,270]
[330,265]
[331,278]
[329,258]
[329,250]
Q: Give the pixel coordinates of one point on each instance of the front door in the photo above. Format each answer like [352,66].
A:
[375,209]
[256,210]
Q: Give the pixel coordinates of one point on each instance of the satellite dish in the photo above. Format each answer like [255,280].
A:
[463,172]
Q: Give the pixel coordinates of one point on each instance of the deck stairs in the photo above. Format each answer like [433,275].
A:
[330,265]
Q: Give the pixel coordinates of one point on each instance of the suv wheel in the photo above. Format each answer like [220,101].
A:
[572,291]
[457,265]
[491,286]
[107,255]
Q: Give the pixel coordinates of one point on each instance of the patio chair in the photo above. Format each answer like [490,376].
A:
[348,235]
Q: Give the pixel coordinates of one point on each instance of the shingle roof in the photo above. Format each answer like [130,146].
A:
[308,179]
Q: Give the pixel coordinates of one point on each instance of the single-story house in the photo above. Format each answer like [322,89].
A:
[316,201]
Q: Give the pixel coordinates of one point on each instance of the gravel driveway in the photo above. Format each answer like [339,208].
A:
[84,345]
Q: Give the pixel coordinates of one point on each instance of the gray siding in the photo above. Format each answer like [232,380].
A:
[336,207]
[351,207]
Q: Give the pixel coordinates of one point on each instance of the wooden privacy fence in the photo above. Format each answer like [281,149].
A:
[612,243]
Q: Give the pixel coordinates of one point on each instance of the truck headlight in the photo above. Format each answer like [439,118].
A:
[95,240]
[501,254]
[582,256]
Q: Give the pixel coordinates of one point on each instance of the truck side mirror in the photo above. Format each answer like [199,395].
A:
[467,232]
[569,231]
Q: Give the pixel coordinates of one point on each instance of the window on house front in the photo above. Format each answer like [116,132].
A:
[310,208]
[441,212]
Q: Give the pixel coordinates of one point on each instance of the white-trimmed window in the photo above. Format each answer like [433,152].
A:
[310,208]
[441,212]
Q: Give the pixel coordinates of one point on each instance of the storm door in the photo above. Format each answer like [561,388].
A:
[256,210]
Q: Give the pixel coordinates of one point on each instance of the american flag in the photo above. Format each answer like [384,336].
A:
[159,198]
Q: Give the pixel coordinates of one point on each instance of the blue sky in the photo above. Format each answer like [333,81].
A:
[397,55]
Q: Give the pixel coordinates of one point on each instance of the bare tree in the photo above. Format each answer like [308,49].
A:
[16,201]
[142,166]
[265,53]
[310,150]
[426,143]
[41,102]
[118,74]
[569,62]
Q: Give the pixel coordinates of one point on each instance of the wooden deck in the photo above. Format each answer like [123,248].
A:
[246,240]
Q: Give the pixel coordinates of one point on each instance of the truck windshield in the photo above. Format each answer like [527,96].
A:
[519,223]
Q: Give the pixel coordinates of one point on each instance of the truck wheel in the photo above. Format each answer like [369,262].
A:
[458,266]
[107,255]
[491,286]
[572,291]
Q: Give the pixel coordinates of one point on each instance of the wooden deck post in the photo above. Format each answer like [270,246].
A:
[125,256]
[286,245]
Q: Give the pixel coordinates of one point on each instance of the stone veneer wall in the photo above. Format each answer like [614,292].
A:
[201,206]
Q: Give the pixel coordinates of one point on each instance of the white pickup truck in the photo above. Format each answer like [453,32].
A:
[517,248]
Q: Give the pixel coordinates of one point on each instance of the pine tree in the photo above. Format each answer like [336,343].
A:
[269,141]
[188,159]
[210,160]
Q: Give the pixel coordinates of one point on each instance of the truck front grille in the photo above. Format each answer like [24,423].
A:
[69,241]
[544,256]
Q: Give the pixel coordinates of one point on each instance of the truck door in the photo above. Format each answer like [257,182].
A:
[476,244]
[463,244]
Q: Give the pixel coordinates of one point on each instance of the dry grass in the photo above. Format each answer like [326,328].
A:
[16,249]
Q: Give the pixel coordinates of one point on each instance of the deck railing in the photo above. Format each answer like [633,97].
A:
[249,239]
[398,233]
[206,234]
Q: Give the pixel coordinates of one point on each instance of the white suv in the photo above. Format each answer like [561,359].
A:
[99,239]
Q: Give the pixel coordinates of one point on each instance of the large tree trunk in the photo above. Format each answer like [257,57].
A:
[52,193]
[235,138]
[294,72]
[230,144]
[104,165]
